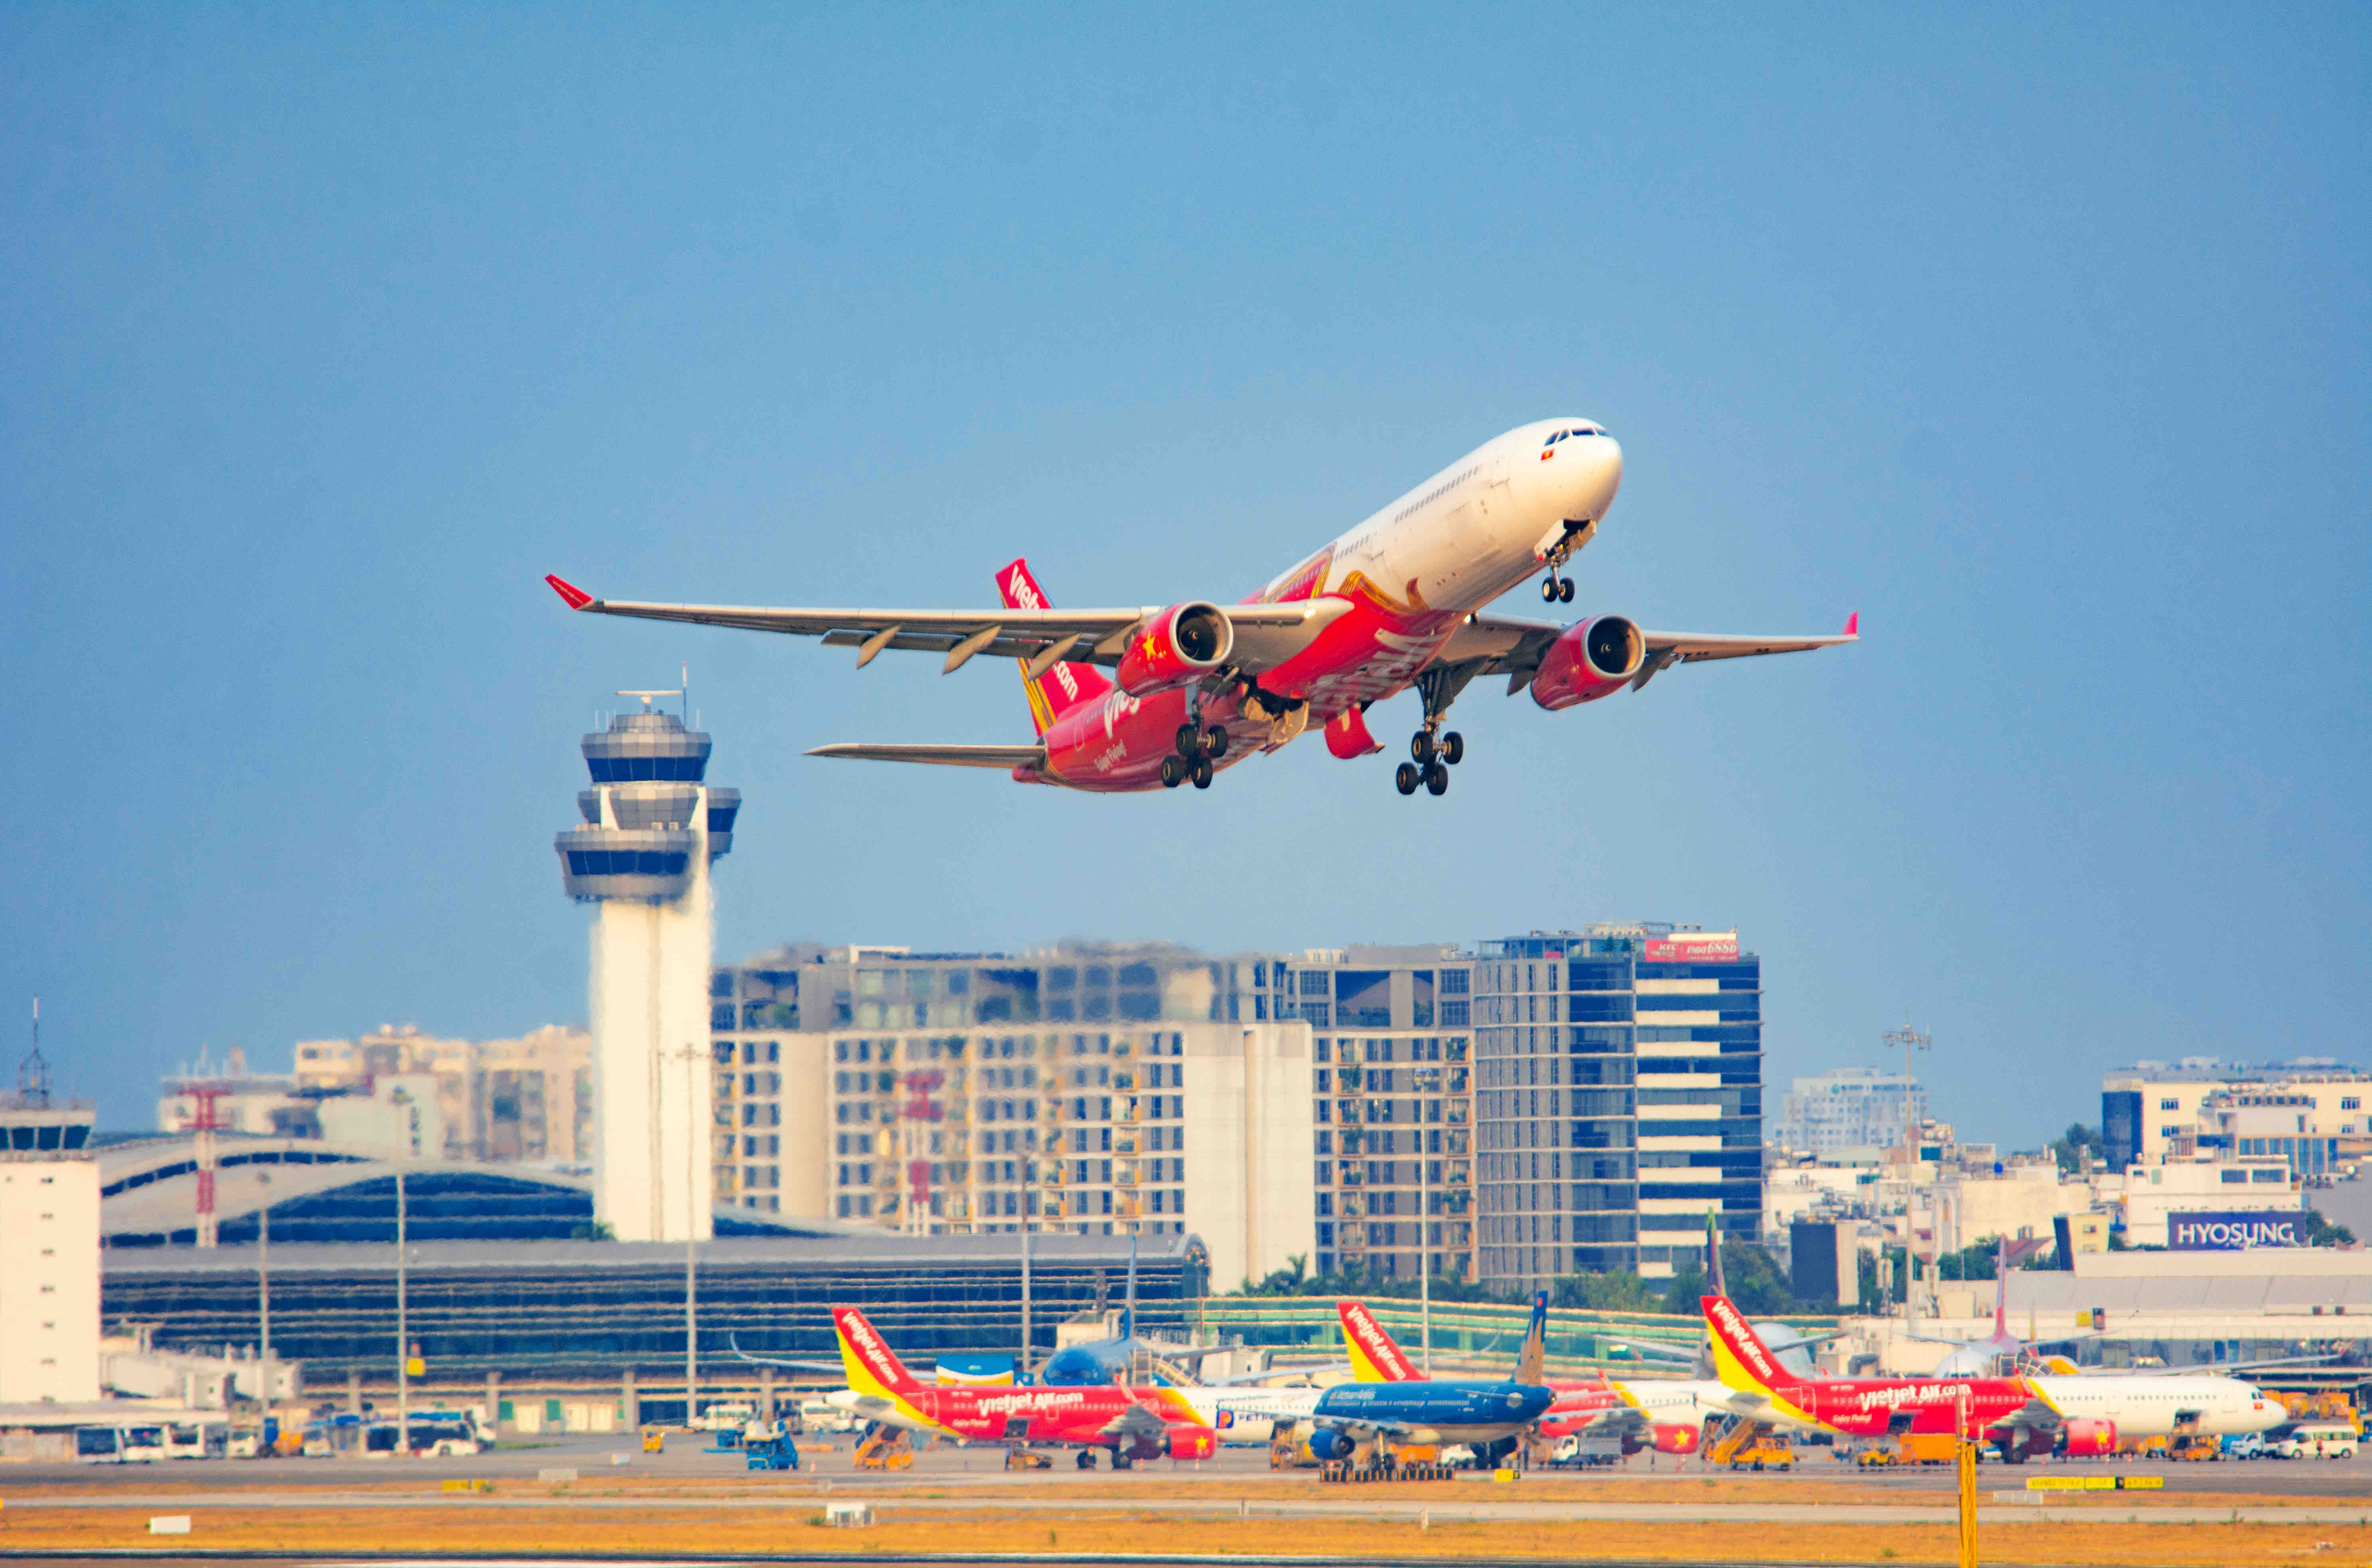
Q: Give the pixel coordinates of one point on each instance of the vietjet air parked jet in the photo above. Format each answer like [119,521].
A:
[1130,1423]
[1394,603]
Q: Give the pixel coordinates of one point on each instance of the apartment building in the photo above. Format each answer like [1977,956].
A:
[2309,1112]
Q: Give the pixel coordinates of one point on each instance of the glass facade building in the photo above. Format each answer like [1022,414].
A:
[1618,1099]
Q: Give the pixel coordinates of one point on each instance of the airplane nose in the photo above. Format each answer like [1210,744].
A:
[1606,473]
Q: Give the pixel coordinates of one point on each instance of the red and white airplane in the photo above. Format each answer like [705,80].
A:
[1394,603]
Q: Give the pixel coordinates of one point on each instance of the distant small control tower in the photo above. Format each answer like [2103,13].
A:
[653,826]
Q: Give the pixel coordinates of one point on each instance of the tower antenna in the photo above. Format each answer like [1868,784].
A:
[33,1072]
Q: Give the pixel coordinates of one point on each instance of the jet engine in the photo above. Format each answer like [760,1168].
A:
[1676,1439]
[1327,1443]
[1593,660]
[1180,646]
[2088,1438]
[1193,1442]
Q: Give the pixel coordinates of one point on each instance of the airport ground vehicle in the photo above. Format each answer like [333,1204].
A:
[1396,603]
[1027,1459]
[1586,1451]
[246,1443]
[2318,1440]
[2247,1445]
[770,1454]
[885,1449]
[98,1444]
[144,1444]
[1911,1449]
[724,1416]
[197,1440]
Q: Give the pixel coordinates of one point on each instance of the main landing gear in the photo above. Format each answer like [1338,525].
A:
[1198,749]
[1433,753]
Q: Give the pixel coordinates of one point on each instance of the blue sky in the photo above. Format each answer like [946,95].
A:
[2036,335]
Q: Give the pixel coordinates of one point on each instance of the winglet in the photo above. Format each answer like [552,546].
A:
[577,598]
[1853,621]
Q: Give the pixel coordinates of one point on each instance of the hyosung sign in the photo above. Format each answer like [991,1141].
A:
[2236,1233]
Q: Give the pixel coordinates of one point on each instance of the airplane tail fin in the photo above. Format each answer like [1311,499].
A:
[1374,1357]
[1531,1361]
[1714,1282]
[1739,1356]
[1061,686]
[2001,1293]
[1128,1306]
[872,1367]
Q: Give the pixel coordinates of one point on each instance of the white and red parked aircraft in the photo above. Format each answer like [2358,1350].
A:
[1396,603]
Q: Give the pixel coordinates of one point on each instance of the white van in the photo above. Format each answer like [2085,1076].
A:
[197,1440]
[2320,1440]
[144,1444]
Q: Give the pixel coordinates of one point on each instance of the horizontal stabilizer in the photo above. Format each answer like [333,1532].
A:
[1006,757]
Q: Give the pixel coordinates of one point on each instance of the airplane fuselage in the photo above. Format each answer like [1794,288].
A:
[1434,1412]
[1384,598]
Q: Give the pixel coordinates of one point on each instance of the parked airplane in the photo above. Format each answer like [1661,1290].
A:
[1128,1423]
[2023,1416]
[1395,602]
[1664,1415]
[1489,1416]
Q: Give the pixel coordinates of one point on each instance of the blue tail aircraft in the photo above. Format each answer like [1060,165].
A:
[1488,1416]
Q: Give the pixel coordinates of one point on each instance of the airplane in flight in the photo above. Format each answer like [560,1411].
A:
[1128,1423]
[2025,1417]
[1196,686]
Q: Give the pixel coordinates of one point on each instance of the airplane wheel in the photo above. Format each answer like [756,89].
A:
[1564,590]
[1190,740]
[1421,747]
[1215,742]
[1087,1458]
[1549,592]
[1453,748]
[1436,779]
[1201,774]
[1407,778]
[1173,772]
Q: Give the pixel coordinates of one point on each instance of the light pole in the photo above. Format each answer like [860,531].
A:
[263,1289]
[1909,1040]
[696,1137]
[402,1336]
[1423,1247]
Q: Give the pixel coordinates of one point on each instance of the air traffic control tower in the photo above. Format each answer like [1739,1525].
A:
[653,827]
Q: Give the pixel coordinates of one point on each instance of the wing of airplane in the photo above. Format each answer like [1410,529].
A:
[1242,1377]
[1498,644]
[1002,757]
[1266,634]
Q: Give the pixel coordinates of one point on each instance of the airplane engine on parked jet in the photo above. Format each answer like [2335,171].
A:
[2087,1438]
[1193,1442]
[1593,660]
[1180,646]
[1327,1443]
[1676,1439]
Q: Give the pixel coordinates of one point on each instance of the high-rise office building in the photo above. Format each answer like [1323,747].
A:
[1850,1108]
[1618,1099]
[1089,1089]
[1157,1090]
[653,826]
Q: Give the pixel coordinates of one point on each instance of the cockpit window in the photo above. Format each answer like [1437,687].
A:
[1557,437]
